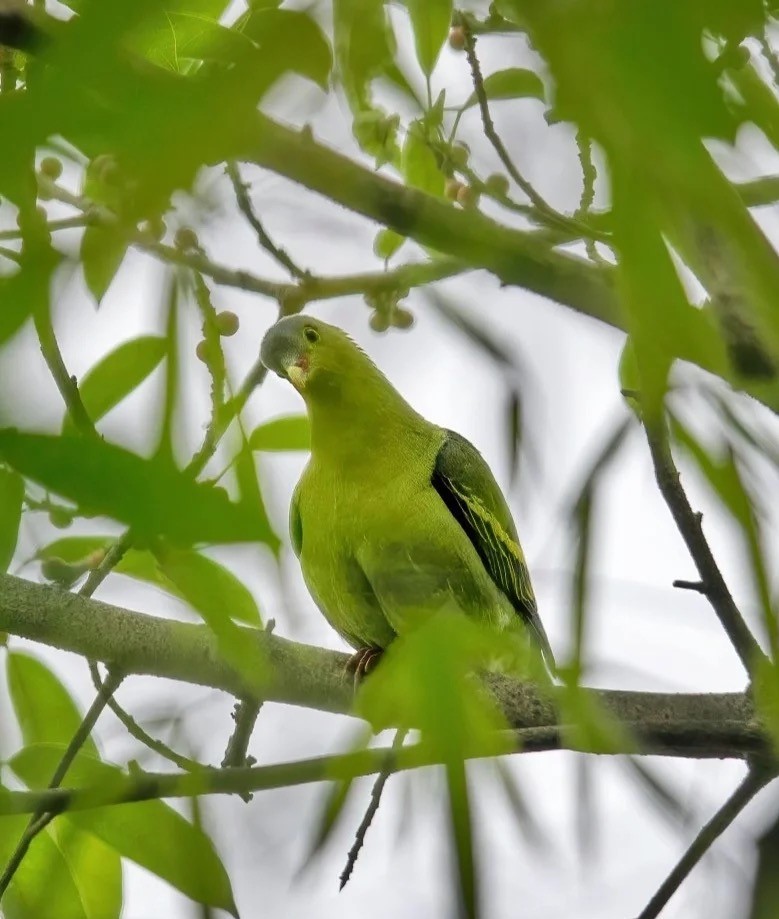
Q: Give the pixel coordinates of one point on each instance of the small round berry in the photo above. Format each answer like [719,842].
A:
[457,38]
[497,184]
[379,322]
[226,323]
[186,239]
[452,189]
[467,197]
[51,167]
[154,228]
[459,155]
[202,351]
[402,318]
[60,518]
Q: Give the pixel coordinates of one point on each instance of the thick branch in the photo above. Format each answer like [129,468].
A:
[684,724]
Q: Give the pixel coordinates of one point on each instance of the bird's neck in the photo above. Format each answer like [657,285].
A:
[362,425]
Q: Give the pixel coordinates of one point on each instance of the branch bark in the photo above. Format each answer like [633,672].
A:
[681,724]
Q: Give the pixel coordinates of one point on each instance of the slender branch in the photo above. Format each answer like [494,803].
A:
[292,296]
[66,384]
[136,731]
[696,586]
[241,190]
[754,781]
[373,806]
[542,207]
[41,817]
[691,529]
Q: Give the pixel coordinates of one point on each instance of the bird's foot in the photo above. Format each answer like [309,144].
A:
[362,662]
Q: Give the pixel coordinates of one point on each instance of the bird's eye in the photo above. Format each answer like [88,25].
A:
[311,334]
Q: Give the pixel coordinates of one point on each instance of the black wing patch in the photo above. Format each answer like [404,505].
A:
[468,489]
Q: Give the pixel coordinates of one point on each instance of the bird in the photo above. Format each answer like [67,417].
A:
[393,517]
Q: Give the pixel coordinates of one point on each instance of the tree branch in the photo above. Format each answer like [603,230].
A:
[677,724]
[689,525]
[755,780]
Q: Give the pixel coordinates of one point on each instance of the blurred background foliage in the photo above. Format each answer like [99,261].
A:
[128,130]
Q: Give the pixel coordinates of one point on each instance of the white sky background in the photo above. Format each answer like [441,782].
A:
[642,635]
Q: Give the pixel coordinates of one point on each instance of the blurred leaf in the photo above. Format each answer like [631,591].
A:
[103,249]
[430,20]
[149,495]
[419,163]
[386,243]
[477,335]
[189,37]
[96,869]
[290,40]
[209,588]
[116,376]
[43,886]
[219,584]
[526,821]
[149,833]
[44,708]
[27,290]
[513,83]
[364,47]
[11,501]
[462,835]
[765,893]
[290,432]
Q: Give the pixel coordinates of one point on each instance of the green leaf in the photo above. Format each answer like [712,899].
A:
[103,249]
[218,583]
[43,886]
[96,869]
[290,432]
[387,243]
[191,37]
[290,40]
[199,581]
[117,375]
[430,20]
[513,83]
[152,496]
[27,290]
[419,164]
[149,833]
[44,708]
[11,500]
[208,586]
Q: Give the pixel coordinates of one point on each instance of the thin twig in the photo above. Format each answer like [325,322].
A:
[136,731]
[245,205]
[689,526]
[754,781]
[589,177]
[542,206]
[373,806]
[41,818]
[292,297]
[696,586]
[66,384]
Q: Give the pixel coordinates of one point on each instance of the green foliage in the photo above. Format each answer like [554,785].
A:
[149,495]
[290,432]
[430,20]
[149,833]
[102,252]
[513,83]
[117,375]
[11,500]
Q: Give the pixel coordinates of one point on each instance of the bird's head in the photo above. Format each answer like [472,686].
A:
[309,353]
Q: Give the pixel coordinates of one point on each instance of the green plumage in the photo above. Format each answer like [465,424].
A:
[393,517]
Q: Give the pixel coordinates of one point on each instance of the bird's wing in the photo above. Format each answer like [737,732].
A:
[296,522]
[467,487]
